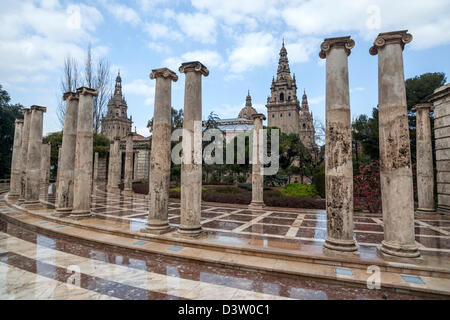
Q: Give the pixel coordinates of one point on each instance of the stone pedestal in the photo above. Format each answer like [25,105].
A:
[191,166]
[33,166]
[24,153]
[395,154]
[257,162]
[160,160]
[114,166]
[45,163]
[84,155]
[338,146]
[16,162]
[66,163]
[424,158]
[128,179]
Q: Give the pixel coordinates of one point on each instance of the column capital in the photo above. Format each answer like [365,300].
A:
[164,73]
[194,66]
[401,37]
[426,105]
[87,91]
[38,108]
[18,121]
[339,42]
[259,116]
[70,96]
[26,111]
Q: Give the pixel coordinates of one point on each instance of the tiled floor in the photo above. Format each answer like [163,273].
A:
[35,266]
[289,227]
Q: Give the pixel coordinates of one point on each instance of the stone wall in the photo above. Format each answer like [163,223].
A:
[441,105]
[141,165]
[102,169]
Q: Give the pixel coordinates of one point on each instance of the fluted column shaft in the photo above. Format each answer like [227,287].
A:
[395,154]
[24,153]
[257,163]
[338,146]
[83,154]
[160,162]
[14,187]
[128,178]
[424,157]
[191,166]
[34,152]
[64,191]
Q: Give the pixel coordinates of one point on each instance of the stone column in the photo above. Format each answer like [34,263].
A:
[424,156]
[58,169]
[114,166]
[24,153]
[16,162]
[160,160]
[395,153]
[66,165]
[32,189]
[191,165]
[128,177]
[82,185]
[257,164]
[338,146]
[45,163]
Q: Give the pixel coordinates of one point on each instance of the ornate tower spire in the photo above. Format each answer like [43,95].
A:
[305,106]
[283,71]
[118,87]
[248,100]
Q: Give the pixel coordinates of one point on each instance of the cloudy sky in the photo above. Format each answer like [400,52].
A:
[238,40]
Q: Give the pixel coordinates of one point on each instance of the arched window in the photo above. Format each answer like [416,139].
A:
[281,115]
[282,96]
[289,114]
[273,115]
[289,98]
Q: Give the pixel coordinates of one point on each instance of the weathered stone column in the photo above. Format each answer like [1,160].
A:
[58,169]
[24,153]
[395,153]
[66,165]
[45,163]
[338,146]
[191,165]
[16,162]
[424,156]
[82,185]
[95,178]
[114,166]
[32,189]
[160,160]
[257,164]
[128,177]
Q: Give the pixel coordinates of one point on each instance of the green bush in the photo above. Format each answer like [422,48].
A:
[232,190]
[299,190]
[319,180]
[246,186]
[178,189]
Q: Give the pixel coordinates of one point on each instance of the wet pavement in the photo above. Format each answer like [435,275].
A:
[37,266]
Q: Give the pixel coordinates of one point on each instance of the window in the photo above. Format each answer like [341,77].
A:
[289,98]
[281,115]
[273,115]
[282,96]
[289,114]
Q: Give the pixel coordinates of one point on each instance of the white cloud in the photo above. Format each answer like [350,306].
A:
[200,27]
[161,31]
[253,49]
[34,39]
[141,87]
[301,49]
[124,13]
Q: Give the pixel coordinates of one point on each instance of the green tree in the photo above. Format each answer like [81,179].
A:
[8,114]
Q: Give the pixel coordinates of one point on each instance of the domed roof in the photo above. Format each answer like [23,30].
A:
[248,110]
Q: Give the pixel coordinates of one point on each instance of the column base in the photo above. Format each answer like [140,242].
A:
[256,205]
[128,192]
[32,204]
[443,209]
[338,245]
[425,210]
[113,189]
[80,214]
[396,250]
[193,232]
[13,197]
[62,212]
[157,227]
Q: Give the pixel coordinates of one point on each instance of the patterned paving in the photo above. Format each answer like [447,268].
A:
[34,266]
[297,227]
